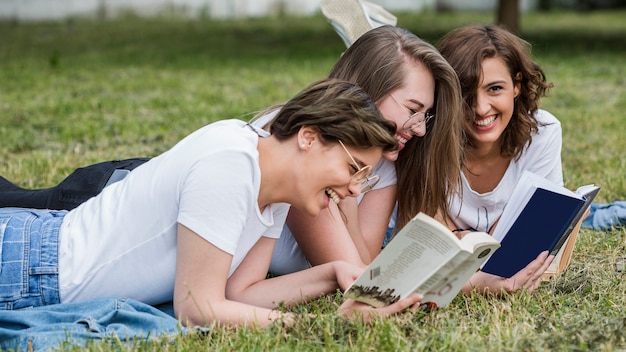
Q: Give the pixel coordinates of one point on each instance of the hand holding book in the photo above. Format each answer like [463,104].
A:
[528,278]
[425,257]
[540,215]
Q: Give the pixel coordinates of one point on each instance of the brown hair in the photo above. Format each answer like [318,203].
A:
[465,49]
[427,168]
[339,110]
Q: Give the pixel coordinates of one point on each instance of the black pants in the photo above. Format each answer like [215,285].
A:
[80,185]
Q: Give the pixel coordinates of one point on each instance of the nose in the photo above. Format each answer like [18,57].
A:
[354,188]
[481,106]
[419,129]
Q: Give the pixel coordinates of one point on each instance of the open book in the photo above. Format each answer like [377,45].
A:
[567,242]
[424,257]
[539,216]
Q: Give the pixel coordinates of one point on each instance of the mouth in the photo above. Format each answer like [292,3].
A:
[486,121]
[402,140]
[332,195]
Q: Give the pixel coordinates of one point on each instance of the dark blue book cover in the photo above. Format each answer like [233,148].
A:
[539,227]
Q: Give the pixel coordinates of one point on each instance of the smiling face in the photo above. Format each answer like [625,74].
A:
[328,175]
[417,94]
[495,102]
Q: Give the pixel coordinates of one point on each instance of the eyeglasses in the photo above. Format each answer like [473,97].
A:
[362,174]
[414,116]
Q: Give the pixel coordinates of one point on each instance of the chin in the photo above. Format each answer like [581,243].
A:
[313,212]
[391,156]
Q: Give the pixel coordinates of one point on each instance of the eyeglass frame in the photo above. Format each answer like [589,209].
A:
[427,115]
[362,175]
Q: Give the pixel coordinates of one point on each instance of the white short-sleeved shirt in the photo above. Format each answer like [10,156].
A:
[288,256]
[542,157]
[122,243]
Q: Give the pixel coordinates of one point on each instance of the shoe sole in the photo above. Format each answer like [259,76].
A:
[349,16]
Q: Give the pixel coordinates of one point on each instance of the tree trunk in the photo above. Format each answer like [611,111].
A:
[508,15]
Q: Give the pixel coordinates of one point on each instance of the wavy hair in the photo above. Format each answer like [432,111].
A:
[465,49]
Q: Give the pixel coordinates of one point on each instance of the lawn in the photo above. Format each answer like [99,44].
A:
[79,91]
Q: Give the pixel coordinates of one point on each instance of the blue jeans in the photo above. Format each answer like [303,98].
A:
[31,315]
[77,323]
[29,257]
[603,217]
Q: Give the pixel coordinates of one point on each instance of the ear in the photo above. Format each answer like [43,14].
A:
[307,135]
[517,84]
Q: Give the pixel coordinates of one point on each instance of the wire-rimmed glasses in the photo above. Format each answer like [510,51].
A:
[414,116]
[362,174]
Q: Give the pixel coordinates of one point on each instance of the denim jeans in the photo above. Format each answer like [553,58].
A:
[31,315]
[603,217]
[29,256]
[77,323]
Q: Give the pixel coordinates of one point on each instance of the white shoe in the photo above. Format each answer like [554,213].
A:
[378,15]
[352,18]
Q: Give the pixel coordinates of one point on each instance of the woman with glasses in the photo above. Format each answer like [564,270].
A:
[411,83]
[196,225]
[506,134]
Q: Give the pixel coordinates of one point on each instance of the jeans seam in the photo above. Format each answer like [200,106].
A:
[26,271]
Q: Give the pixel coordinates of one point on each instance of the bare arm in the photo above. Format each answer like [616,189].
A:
[203,293]
[298,287]
[304,285]
[200,286]
[327,237]
[374,213]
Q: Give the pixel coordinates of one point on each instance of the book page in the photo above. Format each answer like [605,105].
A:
[418,251]
[421,258]
[443,292]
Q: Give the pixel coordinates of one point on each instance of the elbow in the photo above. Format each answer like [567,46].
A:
[190,314]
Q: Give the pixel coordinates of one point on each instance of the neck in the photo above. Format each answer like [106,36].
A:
[273,162]
[484,158]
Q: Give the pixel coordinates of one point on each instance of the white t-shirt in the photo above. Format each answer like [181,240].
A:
[288,256]
[122,243]
[542,156]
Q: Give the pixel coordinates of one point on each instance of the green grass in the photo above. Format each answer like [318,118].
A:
[78,92]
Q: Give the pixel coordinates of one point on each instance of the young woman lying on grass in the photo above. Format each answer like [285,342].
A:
[197,224]
[415,88]
[506,134]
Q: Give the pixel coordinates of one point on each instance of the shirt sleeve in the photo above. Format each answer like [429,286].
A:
[217,197]
[543,155]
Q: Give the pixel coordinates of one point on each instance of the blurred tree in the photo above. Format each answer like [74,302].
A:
[508,14]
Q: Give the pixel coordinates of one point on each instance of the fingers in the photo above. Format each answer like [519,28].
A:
[353,309]
[530,277]
[411,301]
